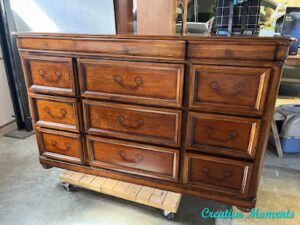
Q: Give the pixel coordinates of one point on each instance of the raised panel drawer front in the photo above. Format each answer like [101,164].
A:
[145,124]
[46,74]
[60,145]
[129,157]
[229,89]
[55,112]
[218,174]
[137,82]
[229,135]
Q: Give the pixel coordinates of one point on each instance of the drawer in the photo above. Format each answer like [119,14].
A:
[145,124]
[107,46]
[233,50]
[237,90]
[137,82]
[53,75]
[60,145]
[129,157]
[55,112]
[227,135]
[218,174]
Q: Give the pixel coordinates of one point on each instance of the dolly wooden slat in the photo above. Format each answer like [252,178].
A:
[96,184]
[166,200]
[132,191]
[144,195]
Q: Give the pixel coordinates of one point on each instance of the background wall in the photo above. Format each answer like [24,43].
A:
[66,16]
[6,108]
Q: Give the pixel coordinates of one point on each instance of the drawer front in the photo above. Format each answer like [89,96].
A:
[60,145]
[55,112]
[241,50]
[129,157]
[131,48]
[149,83]
[49,74]
[229,89]
[143,124]
[223,134]
[219,174]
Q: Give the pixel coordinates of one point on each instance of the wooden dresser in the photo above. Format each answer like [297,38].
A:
[185,114]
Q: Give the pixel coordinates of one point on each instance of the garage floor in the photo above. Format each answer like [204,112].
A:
[31,195]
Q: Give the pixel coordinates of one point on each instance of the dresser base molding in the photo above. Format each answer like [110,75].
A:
[242,204]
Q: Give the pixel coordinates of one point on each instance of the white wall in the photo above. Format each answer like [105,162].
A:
[65,16]
[6,107]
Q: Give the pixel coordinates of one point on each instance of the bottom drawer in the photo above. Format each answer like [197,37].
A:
[218,174]
[60,145]
[130,157]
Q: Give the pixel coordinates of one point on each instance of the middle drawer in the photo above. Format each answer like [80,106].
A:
[226,135]
[146,124]
[55,112]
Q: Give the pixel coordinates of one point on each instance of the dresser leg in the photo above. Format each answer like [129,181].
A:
[46,166]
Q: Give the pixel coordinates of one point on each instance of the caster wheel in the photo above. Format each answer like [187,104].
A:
[46,166]
[243,209]
[168,215]
[68,187]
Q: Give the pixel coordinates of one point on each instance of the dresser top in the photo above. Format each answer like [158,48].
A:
[283,40]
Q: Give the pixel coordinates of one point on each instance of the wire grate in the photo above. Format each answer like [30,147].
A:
[222,15]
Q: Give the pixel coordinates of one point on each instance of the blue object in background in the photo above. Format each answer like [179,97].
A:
[236,2]
[290,130]
[291,27]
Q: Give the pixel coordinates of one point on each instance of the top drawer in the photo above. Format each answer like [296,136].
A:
[143,48]
[236,90]
[49,74]
[137,82]
[233,50]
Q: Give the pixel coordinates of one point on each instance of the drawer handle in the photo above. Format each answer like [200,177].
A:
[225,174]
[58,75]
[138,82]
[139,123]
[68,146]
[210,131]
[238,88]
[138,158]
[62,112]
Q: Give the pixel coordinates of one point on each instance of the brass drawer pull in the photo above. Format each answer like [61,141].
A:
[139,123]
[68,146]
[211,135]
[225,174]
[138,158]
[238,88]
[62,112]
[58,75]
[138,82]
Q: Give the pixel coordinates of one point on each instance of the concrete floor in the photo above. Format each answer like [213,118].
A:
[31,195]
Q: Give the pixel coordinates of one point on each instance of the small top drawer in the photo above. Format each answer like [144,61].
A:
[137,82]
[49,74]
[236,90]
[243,49]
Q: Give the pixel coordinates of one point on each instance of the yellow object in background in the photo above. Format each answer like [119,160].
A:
[289,3]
